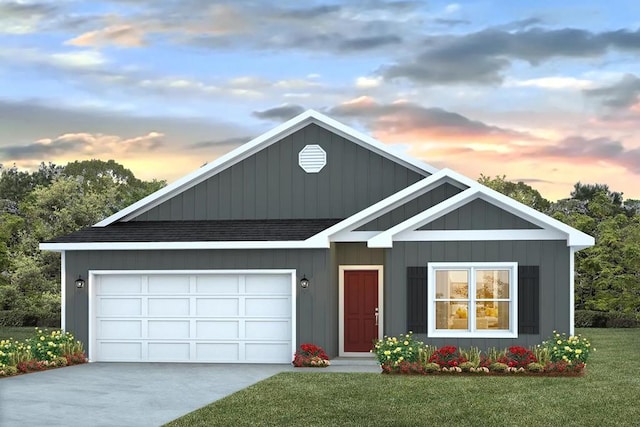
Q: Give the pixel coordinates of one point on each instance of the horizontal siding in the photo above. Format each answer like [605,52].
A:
[271,185]
[551,256]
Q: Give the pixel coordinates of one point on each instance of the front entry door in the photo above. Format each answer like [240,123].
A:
[360,310]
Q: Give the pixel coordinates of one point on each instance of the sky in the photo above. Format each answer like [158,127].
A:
[544,92]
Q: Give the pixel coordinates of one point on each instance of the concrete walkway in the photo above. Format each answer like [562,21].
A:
[132,394]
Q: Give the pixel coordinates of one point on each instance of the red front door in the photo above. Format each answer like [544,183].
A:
[360,309]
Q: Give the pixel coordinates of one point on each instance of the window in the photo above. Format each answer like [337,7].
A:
[477,300]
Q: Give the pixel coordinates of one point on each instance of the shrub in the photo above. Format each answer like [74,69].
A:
[498,367]
[447,357]
[572,350]
[604,319]
[7,371]
[472,355]
[621,320]
[535,367]
[431,367]
[14,352]
[541,352]
[392,350]
[517,357]
[311,355]
[49,346]
[467,366]
[425,353]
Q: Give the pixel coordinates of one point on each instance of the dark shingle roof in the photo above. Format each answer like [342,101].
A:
[200,231]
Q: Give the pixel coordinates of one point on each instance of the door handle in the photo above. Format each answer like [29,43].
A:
[377,316]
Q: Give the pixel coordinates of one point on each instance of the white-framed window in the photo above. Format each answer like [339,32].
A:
[473,299]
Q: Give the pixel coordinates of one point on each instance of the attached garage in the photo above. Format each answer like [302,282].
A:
[192,316]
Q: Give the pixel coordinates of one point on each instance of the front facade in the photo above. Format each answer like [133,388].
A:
[211,268]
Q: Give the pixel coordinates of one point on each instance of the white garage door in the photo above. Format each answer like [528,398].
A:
[213,317]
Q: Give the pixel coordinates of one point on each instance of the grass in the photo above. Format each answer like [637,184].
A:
[19,332]
[606,396]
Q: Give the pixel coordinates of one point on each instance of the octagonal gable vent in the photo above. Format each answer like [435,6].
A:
[312,158]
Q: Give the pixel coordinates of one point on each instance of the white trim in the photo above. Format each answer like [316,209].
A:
[432,332]
[341,270]
[92,299]
[63,290]
[572,291]
[128,246]
[258,144]
[477,235]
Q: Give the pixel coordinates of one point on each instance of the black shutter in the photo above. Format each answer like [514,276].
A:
[528,299]
[417,299]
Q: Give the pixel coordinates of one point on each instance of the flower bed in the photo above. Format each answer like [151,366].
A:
[558,356]
[311,356]
[42,351]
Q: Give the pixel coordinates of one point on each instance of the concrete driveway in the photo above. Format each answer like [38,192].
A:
[121,394]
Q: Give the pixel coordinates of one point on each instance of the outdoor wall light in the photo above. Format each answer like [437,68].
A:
[304,282]
[79,282]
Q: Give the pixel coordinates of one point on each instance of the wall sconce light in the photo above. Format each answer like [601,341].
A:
[79,282]
[304,282]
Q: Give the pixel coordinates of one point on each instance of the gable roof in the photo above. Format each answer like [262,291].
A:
[258,144]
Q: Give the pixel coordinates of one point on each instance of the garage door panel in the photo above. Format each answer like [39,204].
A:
[168,306]
[168,329]
[175,352]
[267,330]
[120,307]
[207,329]
[217,352]
[120,351]
[118,329]
[168,284]
[119,285]
[276,284]
[180,317]
[218,284]
[217,307]
[267,352]
[268,307]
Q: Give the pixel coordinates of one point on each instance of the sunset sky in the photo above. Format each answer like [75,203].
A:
[545,92]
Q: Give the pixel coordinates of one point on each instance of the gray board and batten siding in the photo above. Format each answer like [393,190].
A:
[316,306]
[551,256]
[271,185]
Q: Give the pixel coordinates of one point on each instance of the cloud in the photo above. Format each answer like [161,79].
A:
[367,43]
[592,150]
[85,143]
[281,113]
[226,142]
[483,56]
[120,35]
[622,94]
[554,83]
[406,118]
[17,17]
[451,22]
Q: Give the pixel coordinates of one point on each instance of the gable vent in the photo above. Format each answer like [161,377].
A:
[312,158]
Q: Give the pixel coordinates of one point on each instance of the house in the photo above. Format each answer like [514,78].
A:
[315,232]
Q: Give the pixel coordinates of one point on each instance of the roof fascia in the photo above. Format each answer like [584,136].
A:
[128,246]
[255,145]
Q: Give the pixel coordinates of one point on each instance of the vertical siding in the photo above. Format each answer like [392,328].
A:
[479,215]
[551,256]
[316,306]
[270,184]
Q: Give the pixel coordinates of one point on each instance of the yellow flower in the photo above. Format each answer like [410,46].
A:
[578,351]
[567,348]
[564,358]
[42,338]
[406,343]
[387,352]
[559,341]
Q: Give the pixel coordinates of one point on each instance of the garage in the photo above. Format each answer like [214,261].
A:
[192,316]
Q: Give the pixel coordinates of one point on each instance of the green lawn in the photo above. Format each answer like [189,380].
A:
[19,332]
[606,396]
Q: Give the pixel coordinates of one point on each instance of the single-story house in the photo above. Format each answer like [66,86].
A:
[315,232]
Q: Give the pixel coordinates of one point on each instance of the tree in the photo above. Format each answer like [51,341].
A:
[516,190]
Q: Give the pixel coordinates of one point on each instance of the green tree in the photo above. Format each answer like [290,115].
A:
[516,190]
